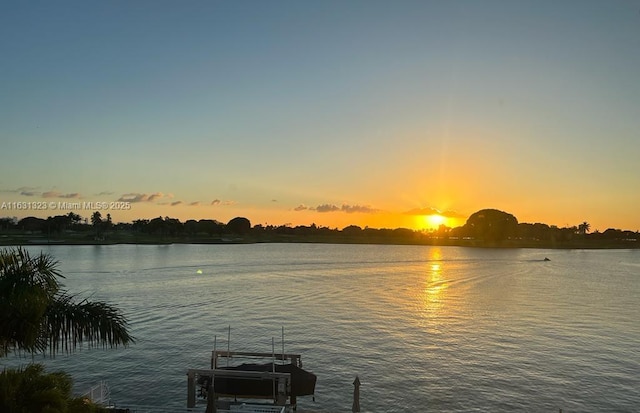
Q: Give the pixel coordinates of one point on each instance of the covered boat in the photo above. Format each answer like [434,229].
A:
[280,380]
[303,383]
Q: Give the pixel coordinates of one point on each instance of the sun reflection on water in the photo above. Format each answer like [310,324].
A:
[435,284]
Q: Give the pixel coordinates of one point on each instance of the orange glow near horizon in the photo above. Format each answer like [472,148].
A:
[389,218]
[432,222]
[436,220]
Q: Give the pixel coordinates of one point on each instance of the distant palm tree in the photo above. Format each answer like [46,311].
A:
[36,314]
[584,228]
[98,223]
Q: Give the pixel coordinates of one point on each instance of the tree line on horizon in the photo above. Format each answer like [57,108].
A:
[488,225]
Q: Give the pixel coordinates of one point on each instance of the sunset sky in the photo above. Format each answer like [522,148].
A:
[373,113]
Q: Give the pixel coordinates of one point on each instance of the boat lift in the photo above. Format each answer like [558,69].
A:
[279,380]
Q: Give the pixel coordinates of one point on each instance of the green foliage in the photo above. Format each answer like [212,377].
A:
[32,390]
[96,219]
[239,225]
[37,314]
[492,225]
[584,228]
[27,286]
[81,405]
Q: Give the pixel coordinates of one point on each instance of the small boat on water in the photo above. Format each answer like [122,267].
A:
[246,382]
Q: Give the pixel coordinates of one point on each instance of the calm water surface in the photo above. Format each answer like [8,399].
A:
[425,328]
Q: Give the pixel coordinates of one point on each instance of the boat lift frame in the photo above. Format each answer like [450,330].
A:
[282,384]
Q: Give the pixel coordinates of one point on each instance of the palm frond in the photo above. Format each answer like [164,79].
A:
[18,269]
[70,324]
[36,313]
[27,285]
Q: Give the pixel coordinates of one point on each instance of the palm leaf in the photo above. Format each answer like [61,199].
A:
[27,285]
[36,313]
[71,324]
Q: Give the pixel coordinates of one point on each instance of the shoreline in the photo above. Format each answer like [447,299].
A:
[12,241]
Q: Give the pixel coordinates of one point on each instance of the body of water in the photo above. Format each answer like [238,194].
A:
[425,328]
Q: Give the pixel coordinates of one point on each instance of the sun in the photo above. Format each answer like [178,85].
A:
[433,221]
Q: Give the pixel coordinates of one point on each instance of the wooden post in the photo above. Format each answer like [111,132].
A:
[356,395]
[211,396]
[228,345]
[191,390]
[214,353]
[273,368]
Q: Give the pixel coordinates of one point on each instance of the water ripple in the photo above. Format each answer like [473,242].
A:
[425,328]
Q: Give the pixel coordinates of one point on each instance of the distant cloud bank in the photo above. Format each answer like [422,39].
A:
[30,191]
[433,211]
[138,197]
[56,194]
[349,209]
[216,202]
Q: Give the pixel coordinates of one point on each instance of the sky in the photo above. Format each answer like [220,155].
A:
[334,113]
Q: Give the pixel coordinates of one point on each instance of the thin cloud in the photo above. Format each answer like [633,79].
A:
[56,194]
[453,214]
[216,202]
[29,189]
[32,191]
[104,193]
[327,208]
[51,194]
[350,209]
[301,207]
[131,198]
[433,211]
[138,197]
[71,196]
[196,203]
[174,203]
[423,211]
